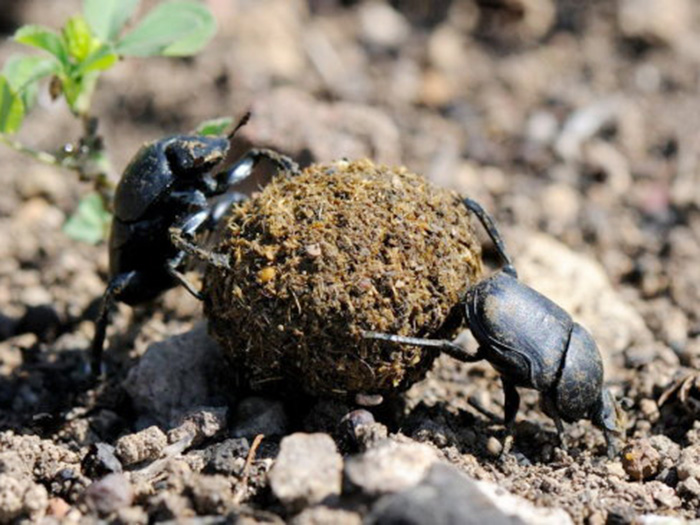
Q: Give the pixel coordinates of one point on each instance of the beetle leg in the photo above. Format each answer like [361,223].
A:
[114,289]
[181,234]
[450,348]
[512,404]
[243,167]
[493,232]
[172,267]
[281,162]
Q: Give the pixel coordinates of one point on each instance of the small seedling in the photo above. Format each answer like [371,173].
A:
[72,61]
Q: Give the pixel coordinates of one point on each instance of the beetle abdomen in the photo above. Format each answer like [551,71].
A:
[581,378]
[514,323]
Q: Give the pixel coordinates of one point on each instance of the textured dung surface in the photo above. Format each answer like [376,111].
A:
[319,257]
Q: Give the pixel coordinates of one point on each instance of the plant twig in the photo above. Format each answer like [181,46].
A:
[41,156]
[239,493]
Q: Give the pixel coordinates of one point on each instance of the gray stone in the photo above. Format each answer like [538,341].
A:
[111,493]
[389,467]
[176,375]
[308,470]
[447,497]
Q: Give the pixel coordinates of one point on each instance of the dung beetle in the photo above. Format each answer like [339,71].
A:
[168,187]
[532,343]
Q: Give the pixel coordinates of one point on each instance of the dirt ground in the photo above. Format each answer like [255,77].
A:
[574,123]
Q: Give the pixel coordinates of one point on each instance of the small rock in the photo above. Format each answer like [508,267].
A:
[58,508]
[166,506]
[664,495]
[656,21]
[100,461]
[494,446]
[321,515]
[211,494]
[145,445]
[349,425]
[446,496]
[176,375]
[640,460]
[382,26]
[200,424]
[307,470]
[21,497]
[227,457]
[131,516]
[111,493]
[689,489]
[389,467]
[689,463]
[257,415]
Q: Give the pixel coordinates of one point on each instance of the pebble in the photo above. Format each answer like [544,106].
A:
[494,446]
[226,457]
[176,375]
[308,470]
[666,22]
[446,496]
[21,497]
[100,460]
[389,467]
[146,445]
[200,424]
[640,460]
[321,515]
[382,26]
[109,494]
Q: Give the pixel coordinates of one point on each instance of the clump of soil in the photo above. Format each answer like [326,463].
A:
[319,257]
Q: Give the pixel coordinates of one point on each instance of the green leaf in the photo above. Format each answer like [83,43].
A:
[78,38]
[11,108]
[100,59]
[24,72]
[107,17]
[43,38]
[174,28]
[215,126]
[90,222]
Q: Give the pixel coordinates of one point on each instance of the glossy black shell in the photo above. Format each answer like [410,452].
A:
[581,379]
[149,177]
[524,334]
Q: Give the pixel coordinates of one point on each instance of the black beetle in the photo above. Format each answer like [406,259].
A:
[532,343]
[168,189]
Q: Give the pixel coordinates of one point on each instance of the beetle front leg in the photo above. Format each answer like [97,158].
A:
[114,289]
[243,168]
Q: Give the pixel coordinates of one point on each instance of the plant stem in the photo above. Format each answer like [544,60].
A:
[41,156]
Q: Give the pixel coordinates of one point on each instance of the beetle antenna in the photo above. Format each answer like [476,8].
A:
[242,122]
[493,232]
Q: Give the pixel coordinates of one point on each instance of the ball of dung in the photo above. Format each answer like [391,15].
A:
[319,257]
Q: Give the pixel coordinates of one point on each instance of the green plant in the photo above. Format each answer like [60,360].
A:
[74,58]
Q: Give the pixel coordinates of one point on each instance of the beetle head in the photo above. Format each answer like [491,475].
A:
[189,156]
[609,416]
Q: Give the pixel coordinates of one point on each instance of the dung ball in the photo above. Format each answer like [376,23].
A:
[319,257]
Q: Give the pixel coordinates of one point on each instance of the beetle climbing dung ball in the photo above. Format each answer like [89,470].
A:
[318,257]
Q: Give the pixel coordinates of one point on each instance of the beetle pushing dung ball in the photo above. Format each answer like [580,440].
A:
[344,279]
